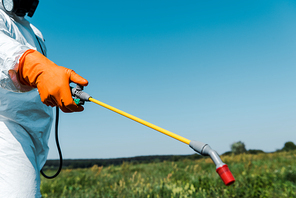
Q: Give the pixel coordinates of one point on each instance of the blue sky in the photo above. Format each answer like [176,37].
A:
[213,71]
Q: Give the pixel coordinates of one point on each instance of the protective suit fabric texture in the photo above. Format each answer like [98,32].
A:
[36,70]
[25,122]
[15,172]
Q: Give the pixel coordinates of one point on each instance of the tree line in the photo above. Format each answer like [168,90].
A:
[236,148]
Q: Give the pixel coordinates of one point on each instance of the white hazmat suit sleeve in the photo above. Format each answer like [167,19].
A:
[16,37]
[25,122]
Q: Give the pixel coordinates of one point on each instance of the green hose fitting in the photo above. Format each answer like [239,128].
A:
[77,101]
[79,96]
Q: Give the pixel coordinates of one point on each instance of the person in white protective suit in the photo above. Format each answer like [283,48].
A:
[30,84]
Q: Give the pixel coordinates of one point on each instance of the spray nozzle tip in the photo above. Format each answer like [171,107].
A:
[225,175]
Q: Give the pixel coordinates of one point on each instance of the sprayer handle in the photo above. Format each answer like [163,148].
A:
[79,96]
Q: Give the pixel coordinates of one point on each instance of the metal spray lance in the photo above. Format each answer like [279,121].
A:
[204,149]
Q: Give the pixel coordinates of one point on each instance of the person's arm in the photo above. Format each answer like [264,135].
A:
[10,52]
[22,69]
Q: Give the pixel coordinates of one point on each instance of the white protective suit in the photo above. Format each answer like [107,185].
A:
[25,122]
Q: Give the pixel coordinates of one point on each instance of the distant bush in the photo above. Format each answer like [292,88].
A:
[289,146]
[238,147]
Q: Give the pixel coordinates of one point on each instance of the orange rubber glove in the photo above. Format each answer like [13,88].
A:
[51,80]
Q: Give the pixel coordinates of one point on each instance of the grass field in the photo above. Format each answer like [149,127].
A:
[261,175]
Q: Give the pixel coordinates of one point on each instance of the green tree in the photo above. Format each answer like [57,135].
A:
[238,147]
[289,146]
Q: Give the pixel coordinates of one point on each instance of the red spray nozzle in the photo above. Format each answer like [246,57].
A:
[222,169]
[225,175]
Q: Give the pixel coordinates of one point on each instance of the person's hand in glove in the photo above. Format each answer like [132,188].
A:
[51,80]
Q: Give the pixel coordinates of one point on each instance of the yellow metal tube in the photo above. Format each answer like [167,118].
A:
[166,132]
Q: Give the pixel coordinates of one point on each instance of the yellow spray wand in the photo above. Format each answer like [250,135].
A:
[166,132]
[202,148]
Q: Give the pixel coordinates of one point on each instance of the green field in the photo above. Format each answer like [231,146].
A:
[260,175]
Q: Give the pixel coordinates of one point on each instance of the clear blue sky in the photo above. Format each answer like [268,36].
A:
[213,71]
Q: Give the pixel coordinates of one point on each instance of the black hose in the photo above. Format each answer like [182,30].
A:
[58,147]
[56,133]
